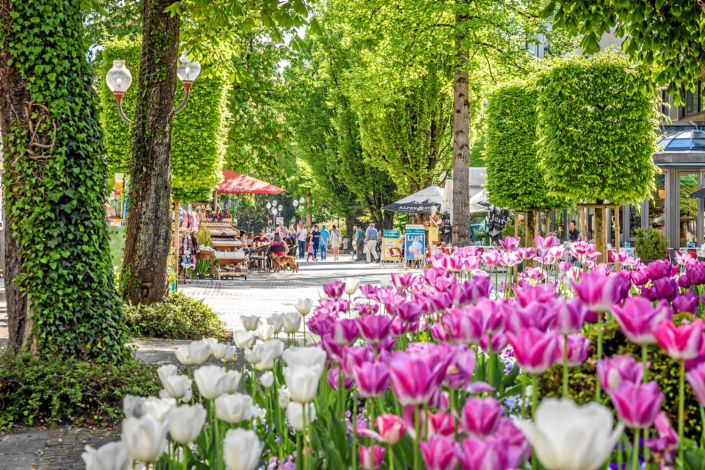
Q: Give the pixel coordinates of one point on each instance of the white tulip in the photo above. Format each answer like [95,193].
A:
[263,355]
[185,423]
[187,397]
[385,282]
[211,381]
[265,332]
[351,286]
[322,293]
[177,386]
[166,371]
[164,394]
[292,322]
[224,352]
[566,436]
[277,321]
[235,408]
[284,398]
[295,413]
[211,342]
[195,353]
[303,306]
[267,379]
[308,357]
[112,456]
[159,407]
[133,406]
[241,449]
[250,322]
[232,381]
[277,347]
[244,339]
[302,382]
[145,438]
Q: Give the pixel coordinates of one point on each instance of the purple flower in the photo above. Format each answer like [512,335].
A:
[334,289]
[371,457]
[372,379]
[402,281]
[345,332]
[696,379]
[408,312]
[440,302]
[367,309]
[684,281]
[659,269]
[570,316]
[665,288]
[612,372]
[599,293]
[481,417]
[577,350]
[638,317]
[637,405]
[534,350]
[479,454]
[444,284]
[695,273]
[416,375]
[518,445]
[499,342]
[321,324]
[664,446]
[355,356]
[466,325]
[682,342]
[540,293]
[333,350]
[439,453]
[439,332]
[687,302]
[510,243]
[430,275]
[333,379]
[374,328]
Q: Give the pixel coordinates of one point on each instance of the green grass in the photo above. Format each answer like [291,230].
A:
[117,244]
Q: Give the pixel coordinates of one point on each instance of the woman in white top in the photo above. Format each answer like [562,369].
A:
[335,238]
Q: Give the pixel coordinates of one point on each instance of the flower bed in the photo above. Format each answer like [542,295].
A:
[445,370]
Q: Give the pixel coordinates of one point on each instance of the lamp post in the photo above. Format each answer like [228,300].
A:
[119,80]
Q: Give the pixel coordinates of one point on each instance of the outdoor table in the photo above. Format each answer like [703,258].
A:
[227,245]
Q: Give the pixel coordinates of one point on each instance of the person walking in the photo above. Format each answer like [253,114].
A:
[301,236]
[371,238]
[325,235]
[359,242]
[336,238]
[316,241]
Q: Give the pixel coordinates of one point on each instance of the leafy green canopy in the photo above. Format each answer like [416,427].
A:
[514,178]
[665,35]
[199,130]
[596,129]
[58,202]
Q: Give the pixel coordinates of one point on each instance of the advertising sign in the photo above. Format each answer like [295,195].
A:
[415,244]
[390,239]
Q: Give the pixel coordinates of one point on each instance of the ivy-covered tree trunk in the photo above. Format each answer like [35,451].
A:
[461,138]
[57,239]
[145,278]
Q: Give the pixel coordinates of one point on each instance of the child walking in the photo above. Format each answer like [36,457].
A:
[310,253]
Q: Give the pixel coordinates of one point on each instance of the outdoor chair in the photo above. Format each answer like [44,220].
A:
[260,255]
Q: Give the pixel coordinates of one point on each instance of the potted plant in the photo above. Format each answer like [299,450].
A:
[651,244]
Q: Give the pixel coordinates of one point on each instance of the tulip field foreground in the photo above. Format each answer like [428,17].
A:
[443,370]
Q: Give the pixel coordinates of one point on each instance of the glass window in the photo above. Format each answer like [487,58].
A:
[657,205]
[614,212]
[699,140]
[688,183]
[634,219]
[692,99]
[678,144]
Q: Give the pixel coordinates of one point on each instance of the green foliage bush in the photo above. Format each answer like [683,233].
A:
[508,231]
[177,317]
[38,391]
[57,203]
[664,370]
[651,244]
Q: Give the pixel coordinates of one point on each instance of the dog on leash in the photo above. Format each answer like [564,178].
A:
[280,261]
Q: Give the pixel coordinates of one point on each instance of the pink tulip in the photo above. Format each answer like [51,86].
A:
[355,356]
[612,372]
[439,453]
[409,312]
[569,317]
[510,243]
[687,302]
[696,379]
[444,284]
[374,328]
[637,405]
[518,445]
[577,350]
[534,350]
[620,257]
[490,453]
[499,342]
[541,293]
[481,417]
[371,457]
[430,275]
[334,379]
[372,379]
[519,320]
[439,333]
[527,253]
[667,441]
[333,350]
[440,302]
[321,324]
[345,332]
[466,325]
[367,309]
[491,258]
[494,313]
[391,428]
[439,424]
[370,292]
[637,318]
[402,281]
[659,269]
[399,328]
[599,293]
[682,342]
[415,375]
[334,289]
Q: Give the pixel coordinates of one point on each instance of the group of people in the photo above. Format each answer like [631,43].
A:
[315,241]
[366,244]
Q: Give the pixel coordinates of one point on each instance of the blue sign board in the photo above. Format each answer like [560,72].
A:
[415,244]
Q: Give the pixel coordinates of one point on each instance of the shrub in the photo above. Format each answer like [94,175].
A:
[651,244]
[663,370]
[508,231]
[178,317]
[36,391]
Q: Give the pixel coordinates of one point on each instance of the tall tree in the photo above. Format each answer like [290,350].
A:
[59,282]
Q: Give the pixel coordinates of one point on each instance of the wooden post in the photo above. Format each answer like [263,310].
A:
[616,234]
[548,222]
[516,235]
[215,201]
[177,209]
[582,223]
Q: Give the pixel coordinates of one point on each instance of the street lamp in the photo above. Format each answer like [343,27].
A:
[296,203]
[119,80]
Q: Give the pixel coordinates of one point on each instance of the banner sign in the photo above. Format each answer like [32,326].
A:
[390,239]
[415,244]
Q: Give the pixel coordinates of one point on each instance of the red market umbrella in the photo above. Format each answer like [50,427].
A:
[237,183]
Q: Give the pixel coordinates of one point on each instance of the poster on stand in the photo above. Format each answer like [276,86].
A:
[415,243]
[390,239]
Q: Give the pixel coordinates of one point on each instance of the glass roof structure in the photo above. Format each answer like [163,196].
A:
[684,140]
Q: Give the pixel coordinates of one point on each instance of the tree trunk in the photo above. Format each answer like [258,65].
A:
[461,142]
[388,220]
[308,209]
[600,234]
[149,220]
[530,233]
[349,223]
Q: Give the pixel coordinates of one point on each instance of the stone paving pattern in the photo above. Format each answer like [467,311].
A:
[261,294]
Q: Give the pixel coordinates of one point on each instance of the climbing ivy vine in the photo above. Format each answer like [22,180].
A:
[55,181]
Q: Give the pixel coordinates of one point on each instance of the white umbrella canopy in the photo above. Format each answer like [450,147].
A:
[418,203]
[478,203]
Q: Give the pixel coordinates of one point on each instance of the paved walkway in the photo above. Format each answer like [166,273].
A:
[261,294]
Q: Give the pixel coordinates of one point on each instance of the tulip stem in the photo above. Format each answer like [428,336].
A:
[523,395]
[565,366]
[644,360]
[635,451]
[299,452]
[188,372]
[354,434]
[185,460]
[417,432]
[681,409]
[490,369]
[619,453]
[391,456]
[534,400]
[598,386]
[305,456]
[341,391]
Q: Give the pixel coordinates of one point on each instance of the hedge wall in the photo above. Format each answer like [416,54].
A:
[514,177]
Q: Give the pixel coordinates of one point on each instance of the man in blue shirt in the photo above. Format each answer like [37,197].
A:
[324,242]
[358,240]
[371,239]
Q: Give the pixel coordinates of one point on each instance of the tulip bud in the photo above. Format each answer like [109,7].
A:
[232,381]
[144,438]
[302,382]
[267,379]
[166,371]
[371,457]
[159,407]
[284,398]
[177,386]
[224,353]
[250,322]
[185,423]
[241,449]
[277,322]
[211,381]
[244,339]
[112,456]
[235,408]
[295,413]
[351,286]
[211,342]
[265,332]
[303,306]
[292,322]
[196,353]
